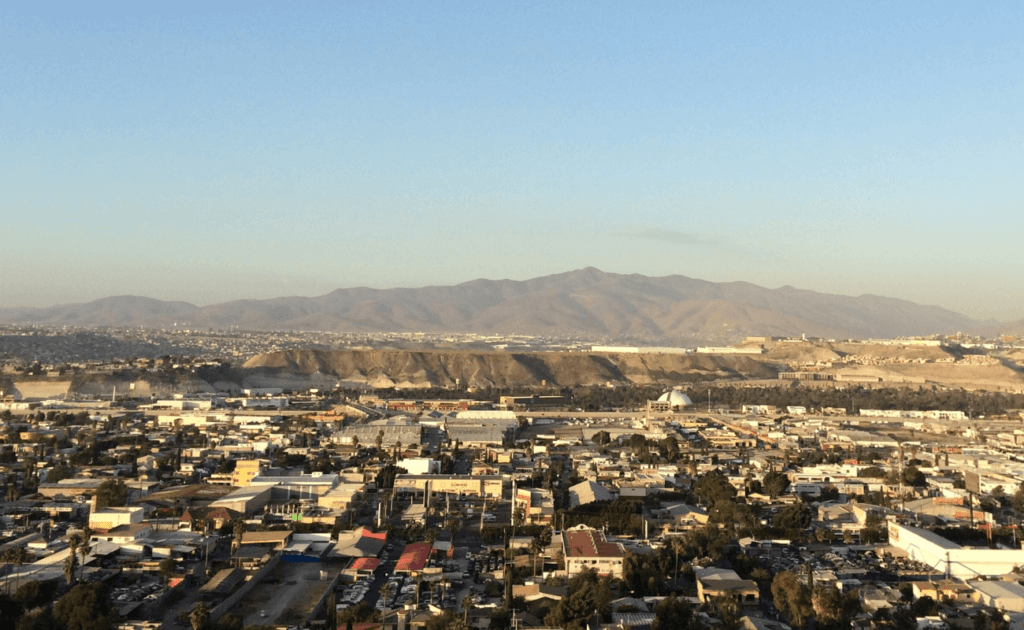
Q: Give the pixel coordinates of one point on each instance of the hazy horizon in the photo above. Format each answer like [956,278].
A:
[212,153]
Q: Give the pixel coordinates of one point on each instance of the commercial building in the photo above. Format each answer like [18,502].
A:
[481,486]
[950,558]
[538,506]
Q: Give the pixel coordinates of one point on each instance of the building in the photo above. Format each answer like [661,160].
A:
[586,548]
[481,486]
[714,583]
[537,506]
[950,558]
[246,470]
[587,492]
[105,519]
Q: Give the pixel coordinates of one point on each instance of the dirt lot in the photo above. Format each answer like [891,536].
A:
[286,597]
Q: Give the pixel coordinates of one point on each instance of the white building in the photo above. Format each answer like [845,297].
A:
[950,558]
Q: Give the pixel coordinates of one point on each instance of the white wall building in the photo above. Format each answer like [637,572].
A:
[948,557]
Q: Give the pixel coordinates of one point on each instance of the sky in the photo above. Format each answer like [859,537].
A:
[214,151]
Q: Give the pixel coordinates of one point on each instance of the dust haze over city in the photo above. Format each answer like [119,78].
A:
[536,315]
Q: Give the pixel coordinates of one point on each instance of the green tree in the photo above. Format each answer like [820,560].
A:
[775,483]
[792,598]
[871,472]
[33,594]
[199,616]
[71,562]
[673,613]
[111,493]
[85,607]
[17,557]
[10,611]
[796,516]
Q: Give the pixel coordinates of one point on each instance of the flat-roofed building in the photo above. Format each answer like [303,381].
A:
[948,557]
[246,470]
[245,500]
[105,519]
[481,485]
[538,506]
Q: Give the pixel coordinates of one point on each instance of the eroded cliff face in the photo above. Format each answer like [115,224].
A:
[403,368]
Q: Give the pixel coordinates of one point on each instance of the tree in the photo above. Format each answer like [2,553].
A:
[111,493]
[86,607]
[199,616]
[467,606]
[792,598]
[871,472]
[913,477]
[33,594]
[447,621]
[17,557]
[793,517]
[385,592]
[713,488]
[11,495]
[10,611]
[775,483]
[672,613]
[587,594]
[602,438]
[71,562]
[85,548]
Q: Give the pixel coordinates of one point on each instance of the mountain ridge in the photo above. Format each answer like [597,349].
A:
[585,301]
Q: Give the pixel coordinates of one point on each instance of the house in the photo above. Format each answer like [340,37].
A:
[713,583]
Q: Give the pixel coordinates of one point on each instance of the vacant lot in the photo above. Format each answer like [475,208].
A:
[286,597]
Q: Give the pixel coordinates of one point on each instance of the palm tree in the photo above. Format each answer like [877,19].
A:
[536,546]
[467,605]
[677,546]
[385,593]
[85,548]
[70,567]
[199,616]
[17,557]
[238,530]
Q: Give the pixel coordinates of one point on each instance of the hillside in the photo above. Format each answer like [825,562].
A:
[387,368]
[585,302]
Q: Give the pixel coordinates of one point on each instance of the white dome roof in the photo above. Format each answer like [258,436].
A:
[676,398]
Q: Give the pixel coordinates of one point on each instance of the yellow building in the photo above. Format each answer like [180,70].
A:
[246,470]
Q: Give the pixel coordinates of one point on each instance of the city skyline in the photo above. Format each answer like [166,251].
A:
[253,151]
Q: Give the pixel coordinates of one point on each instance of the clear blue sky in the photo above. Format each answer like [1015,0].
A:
[214,151]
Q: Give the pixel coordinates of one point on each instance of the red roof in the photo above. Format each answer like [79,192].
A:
[414,558]
[365,564]
[380,536]
[591,544]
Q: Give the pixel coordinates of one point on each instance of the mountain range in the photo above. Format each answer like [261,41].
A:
[586,302]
